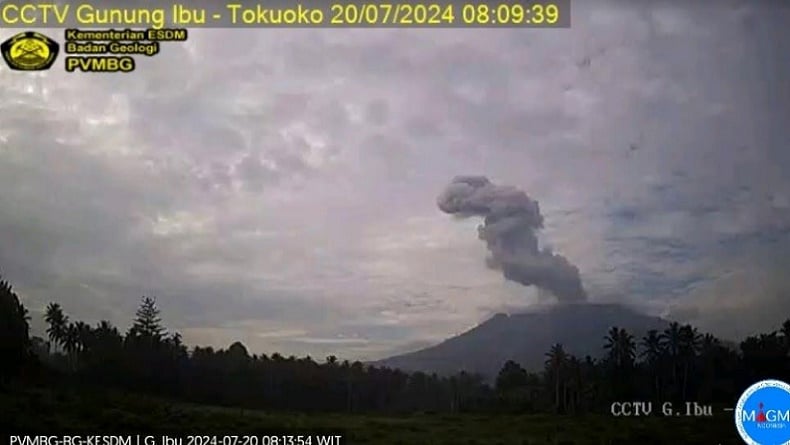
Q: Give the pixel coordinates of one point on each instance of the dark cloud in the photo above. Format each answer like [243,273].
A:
[245,172]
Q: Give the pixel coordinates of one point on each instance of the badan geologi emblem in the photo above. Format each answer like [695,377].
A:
[30,51]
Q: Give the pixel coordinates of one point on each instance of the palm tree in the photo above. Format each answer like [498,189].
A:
[58,324]
[621,352]
[105,345]
[651,354]
[651,347]
[177,340]
[708,343]
[576,381]
[84,335]
[590,378]
[709,351]
[71,343]
[556,360]
[14,332]
[690,340]
[671,340]
[785,331]
[764,354]
[105,329]
[72,339]
[621,347]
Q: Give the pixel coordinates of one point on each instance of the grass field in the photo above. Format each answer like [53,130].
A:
[51,412]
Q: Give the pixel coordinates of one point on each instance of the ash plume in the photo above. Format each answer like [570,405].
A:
[511,220]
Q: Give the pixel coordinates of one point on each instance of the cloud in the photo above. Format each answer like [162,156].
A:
[296,187]
[510,222]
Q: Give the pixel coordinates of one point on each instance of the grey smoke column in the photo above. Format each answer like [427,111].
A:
[511,219]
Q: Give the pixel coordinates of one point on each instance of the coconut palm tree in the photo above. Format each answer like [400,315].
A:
[690,340]
[785,331]
[556,360]
[71,339]
[621,348]
[621,351]
[652,353]
[651,347]
[710,352]
[14,331]
[58,324]
[575,382]
[708,343]
[671,340]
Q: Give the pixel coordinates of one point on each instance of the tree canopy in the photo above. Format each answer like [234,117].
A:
[678,363]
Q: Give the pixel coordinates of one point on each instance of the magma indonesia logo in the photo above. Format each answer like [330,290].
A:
[762,414]
[29,51]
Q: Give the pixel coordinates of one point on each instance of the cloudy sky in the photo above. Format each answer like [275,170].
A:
[279,187]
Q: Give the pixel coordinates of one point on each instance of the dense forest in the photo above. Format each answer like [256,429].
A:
[679,363]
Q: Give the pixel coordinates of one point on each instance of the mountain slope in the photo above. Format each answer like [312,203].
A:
[526,338]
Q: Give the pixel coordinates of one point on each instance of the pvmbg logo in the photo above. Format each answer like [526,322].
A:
[762,414]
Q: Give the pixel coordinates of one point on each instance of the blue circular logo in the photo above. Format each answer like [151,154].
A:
[762,414]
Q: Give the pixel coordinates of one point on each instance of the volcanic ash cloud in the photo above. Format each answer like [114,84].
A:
[511,220]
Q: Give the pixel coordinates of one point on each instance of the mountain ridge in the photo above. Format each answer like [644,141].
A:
[525,337]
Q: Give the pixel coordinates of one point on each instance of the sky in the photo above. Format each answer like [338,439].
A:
[279,187]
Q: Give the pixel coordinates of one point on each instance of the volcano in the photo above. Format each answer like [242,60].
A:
[525,338]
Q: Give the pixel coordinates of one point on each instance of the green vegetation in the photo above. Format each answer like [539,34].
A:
[147,380]
[66,411]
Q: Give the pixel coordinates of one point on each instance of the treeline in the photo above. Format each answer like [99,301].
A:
[678,363]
